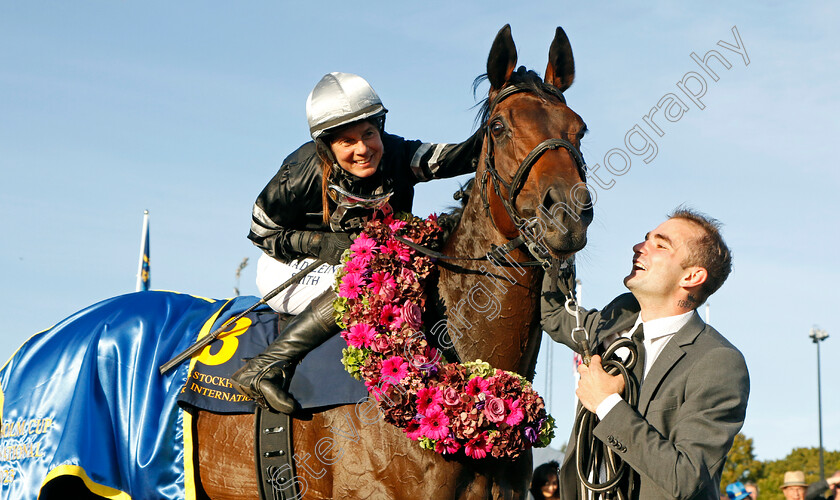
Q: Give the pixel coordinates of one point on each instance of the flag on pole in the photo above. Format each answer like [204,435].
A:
[144,278]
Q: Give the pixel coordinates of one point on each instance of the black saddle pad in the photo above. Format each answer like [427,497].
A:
[319,380]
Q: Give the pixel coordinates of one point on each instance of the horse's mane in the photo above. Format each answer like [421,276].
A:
[449,220]
[523,77]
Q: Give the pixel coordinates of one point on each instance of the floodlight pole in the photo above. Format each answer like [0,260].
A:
[817,335]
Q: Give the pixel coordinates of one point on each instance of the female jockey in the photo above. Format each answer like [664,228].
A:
[324,192]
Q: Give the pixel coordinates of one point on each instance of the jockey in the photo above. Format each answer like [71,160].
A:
[322,194]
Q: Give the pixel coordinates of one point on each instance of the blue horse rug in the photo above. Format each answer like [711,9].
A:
[85,398]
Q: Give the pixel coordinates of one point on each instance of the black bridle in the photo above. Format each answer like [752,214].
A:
[515,185]
[497,254]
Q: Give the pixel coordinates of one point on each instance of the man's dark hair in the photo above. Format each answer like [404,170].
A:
[708,251]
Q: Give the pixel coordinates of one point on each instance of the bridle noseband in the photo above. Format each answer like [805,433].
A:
[515,185]
[497,254]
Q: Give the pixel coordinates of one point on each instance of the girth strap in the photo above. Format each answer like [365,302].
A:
[275,456]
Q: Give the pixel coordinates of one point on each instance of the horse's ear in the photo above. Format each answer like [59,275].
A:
[502,59]
[560,71]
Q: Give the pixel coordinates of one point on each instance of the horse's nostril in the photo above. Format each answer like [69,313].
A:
[550,198]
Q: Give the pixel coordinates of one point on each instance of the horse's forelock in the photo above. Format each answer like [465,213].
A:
[524,77]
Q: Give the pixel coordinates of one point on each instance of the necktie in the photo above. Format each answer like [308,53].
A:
[638,338]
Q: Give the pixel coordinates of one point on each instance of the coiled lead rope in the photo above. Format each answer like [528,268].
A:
[599,468]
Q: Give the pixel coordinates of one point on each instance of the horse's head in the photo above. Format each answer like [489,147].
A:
[532,179]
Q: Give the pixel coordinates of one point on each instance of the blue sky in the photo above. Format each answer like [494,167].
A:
[187,109]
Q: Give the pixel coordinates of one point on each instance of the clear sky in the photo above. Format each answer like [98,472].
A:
[187,109]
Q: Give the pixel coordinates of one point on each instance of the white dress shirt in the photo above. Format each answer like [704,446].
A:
[657,334]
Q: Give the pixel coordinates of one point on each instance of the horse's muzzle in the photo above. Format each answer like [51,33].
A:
[565,222]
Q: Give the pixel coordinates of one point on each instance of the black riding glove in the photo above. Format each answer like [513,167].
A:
[332,246]
[325,246]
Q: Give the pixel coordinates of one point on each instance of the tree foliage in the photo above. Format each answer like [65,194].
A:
[741,465]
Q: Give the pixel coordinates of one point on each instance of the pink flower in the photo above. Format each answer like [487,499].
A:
[351,286]
[515,413]
[393,246]
[403,252]
[354,265]
[377,388]
[451,397]
[412,314]
[362,248]
[388,294]
[407,276]
[428,396]
[494,409]
[382,280]
[447,446]
[380,343]
[477,447]
[435,425]
[476,386]
[413,430]
[396,225]
[391,316]
[394,369]
[420,361]
[360,335]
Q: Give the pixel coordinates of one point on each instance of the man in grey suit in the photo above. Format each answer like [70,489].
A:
[695,385]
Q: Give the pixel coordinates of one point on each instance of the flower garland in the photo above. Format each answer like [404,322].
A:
[448,407]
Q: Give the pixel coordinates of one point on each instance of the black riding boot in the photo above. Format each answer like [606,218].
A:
[265,378]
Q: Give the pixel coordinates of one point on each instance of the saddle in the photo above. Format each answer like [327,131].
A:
[209,389]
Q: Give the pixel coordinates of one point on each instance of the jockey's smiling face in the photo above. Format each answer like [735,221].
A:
[358,148]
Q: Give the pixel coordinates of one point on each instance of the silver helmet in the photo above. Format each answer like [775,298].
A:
[339,99]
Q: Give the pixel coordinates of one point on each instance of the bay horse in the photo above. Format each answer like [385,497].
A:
[531,179]
[529,190]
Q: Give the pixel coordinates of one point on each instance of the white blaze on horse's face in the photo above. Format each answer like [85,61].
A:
[358,148]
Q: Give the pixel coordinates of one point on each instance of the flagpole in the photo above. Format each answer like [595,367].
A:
[143,243]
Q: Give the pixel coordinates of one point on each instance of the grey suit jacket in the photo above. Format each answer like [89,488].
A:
[691,404]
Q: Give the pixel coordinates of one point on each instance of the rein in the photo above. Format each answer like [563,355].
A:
[496,255]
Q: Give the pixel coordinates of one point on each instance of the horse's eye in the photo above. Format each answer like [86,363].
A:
[497,128]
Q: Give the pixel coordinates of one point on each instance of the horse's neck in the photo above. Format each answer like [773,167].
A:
[492,311]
